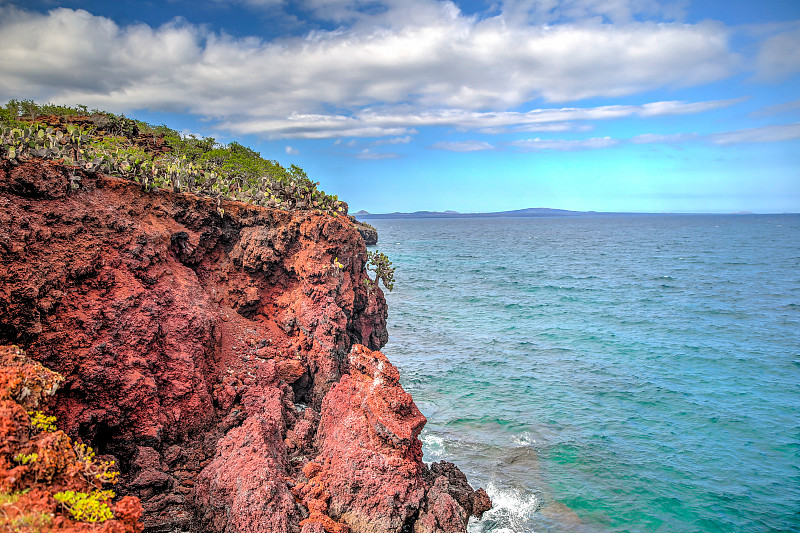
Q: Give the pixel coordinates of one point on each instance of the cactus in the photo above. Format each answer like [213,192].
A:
[211,170]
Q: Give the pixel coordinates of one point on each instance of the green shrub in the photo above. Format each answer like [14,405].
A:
[42,422]
[85,507]
[378,263]
[197,165]
[26,458]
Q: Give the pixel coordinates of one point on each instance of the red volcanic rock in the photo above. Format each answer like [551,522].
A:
[36,464]
[26,382]
[369,471]
[187,342]
[244,487]
[290,370]
[390,410]
[450,500]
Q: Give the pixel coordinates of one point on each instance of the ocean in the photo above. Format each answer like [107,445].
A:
[630,373]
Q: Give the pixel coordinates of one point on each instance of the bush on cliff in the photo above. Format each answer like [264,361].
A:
[378,263]
[156,156]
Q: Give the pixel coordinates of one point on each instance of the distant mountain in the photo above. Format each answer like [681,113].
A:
[529,212]
[518,213]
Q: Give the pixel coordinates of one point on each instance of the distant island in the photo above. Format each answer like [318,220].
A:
[529,212]
[516,213]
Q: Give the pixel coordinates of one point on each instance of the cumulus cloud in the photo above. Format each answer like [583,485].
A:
[464,146]
[772,133]
[563,145]
[291,150]
[377,73]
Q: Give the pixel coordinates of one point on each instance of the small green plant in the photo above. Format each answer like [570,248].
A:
[10,498]
[378,263]
[42,422]
[14,519]
[26,458]
[35,522]
[104,471]
[85,507]
[111,144]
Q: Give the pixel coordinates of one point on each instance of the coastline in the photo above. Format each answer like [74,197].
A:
[212,353]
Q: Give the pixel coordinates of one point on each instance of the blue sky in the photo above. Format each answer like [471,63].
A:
[404,105]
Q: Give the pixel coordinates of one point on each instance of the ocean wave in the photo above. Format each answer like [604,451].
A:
[433,447]
[512,511]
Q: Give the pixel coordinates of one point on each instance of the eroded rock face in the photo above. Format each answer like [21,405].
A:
[201,350]
[369,474]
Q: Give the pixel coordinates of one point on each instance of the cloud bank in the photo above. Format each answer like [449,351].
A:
[763,134]
[394,67]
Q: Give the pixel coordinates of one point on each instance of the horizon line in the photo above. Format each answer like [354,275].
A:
[566,212]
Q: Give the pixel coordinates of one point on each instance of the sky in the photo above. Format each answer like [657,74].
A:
[472,106]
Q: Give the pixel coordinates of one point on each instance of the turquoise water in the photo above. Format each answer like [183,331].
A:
[612,373]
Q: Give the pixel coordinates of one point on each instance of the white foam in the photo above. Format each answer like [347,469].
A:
[523,439]
[511,512]
[432,440]
[433,447]
[522,504]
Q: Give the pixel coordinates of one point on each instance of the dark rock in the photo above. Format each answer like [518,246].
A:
[368,233]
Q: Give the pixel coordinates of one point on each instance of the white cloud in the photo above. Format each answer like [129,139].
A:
[373,12]
[394,140]
[773,133]
[383,121]
[779,56]
[405,56]
[366,153]
[536,145]
[557,126]
[777,109]
[658,109]
[464,146]
[650,138]
[292,151]
[261,4]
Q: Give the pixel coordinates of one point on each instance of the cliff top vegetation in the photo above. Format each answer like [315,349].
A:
[161,157]
[155,156]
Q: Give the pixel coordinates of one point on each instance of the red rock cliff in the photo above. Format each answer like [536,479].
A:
[215,350]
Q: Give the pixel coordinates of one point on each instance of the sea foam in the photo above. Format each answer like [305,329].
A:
[511,510]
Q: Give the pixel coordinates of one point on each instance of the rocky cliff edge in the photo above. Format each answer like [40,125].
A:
[221,354]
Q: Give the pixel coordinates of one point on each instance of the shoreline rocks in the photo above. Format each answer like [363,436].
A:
[367,232]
